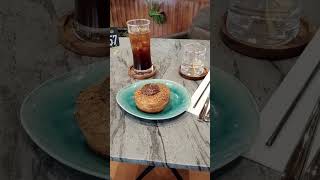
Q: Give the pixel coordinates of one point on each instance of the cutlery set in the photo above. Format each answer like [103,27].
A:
[292,89]
[295,168]
[200,100]
[286,116]
[296,164]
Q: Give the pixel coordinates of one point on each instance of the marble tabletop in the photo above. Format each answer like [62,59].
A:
[182,142]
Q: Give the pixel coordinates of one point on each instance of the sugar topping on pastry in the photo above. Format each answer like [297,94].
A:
[150,89]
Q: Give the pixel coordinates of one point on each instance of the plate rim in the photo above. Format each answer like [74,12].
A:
[37,140]
[257,113]
[149,118]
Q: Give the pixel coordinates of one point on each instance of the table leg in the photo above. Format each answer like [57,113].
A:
[145,172]
[150,168]
[176,174]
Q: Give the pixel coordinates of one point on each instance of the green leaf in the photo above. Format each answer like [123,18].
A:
[157,16]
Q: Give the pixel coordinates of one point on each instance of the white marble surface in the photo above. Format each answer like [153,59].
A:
[182,142]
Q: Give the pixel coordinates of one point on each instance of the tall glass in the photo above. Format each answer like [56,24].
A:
[92,19]
[139,35]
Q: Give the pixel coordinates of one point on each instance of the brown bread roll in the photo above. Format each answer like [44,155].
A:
[92,115]
[152,98]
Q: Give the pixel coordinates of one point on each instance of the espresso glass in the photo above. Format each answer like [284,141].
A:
[139,35]
[91,19]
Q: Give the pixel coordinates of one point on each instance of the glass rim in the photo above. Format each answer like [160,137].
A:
[132,20]
[202,50]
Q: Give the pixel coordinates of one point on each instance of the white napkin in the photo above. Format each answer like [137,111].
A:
[196,110]
[277,156]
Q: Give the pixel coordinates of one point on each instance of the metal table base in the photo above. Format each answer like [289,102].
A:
[150,168]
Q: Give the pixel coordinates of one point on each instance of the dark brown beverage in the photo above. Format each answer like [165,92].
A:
[140,44]
[92,18]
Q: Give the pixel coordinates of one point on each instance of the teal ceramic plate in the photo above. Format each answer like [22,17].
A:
[235,119]
[47,115]
[179,100]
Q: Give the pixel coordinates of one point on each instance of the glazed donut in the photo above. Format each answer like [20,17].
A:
[152,98]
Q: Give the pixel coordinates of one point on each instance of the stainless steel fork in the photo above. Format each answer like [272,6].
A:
[205,112]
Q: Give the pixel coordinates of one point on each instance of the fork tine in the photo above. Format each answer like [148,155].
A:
[204,109]
[207,115]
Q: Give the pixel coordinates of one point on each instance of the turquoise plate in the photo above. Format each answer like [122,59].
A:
[235,119]
[179,100]
[47,115]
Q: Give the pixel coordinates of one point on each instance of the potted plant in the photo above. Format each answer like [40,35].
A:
[155,12]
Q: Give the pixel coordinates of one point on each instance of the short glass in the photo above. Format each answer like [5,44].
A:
[139,35]
[264,22]
[192,56]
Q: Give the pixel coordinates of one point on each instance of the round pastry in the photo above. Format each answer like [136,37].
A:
[92,115]
[152,98]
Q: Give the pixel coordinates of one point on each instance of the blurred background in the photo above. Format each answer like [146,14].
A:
[182,18]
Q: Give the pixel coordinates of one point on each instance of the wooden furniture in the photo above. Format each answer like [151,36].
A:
[179,14]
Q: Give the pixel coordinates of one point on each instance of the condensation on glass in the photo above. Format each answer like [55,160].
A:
[193,56]
[139,35]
